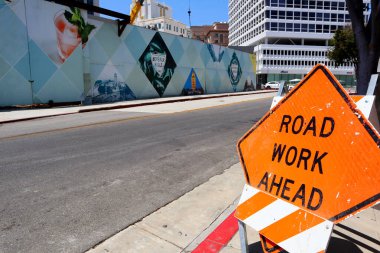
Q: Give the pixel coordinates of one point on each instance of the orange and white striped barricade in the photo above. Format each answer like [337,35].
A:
[306,164]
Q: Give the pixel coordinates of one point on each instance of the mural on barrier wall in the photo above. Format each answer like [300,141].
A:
[59,53]
[64,31]
[192,86]
[71,30]
[216,52]
[43,52]
[248,85]
[234,71]
[158,64]
[106,91]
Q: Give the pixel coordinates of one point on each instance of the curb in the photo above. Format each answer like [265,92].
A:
[220,237]
[111,107]
[182,99]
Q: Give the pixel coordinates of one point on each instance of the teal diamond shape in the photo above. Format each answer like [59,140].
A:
[177,50]
[98,53]
[212,81]
[4,67]
[135,43]
[15,90]
[122,56]
[13,42]
[107,38]
[168,38]
[23,67]
[227,58]
[42,71]
[191,54]
[73,68]
[59,89]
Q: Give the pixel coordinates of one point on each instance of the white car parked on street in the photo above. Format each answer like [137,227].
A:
[272,85]
[292,83]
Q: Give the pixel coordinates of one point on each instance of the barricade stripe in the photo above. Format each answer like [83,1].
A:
[291,225]
[356,98]
[314,239]
[253,205]
[248,192]
[269,214]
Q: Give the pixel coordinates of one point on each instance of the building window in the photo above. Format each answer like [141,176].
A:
[312,28]
[274,26]
[326,17]
[297,15]
[304,27]
[289,27]
[281,27]
[319,16]
[304,15]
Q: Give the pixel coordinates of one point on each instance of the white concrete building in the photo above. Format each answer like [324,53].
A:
[157,15]
[289,36]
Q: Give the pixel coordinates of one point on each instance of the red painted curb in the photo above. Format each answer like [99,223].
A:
[220,237]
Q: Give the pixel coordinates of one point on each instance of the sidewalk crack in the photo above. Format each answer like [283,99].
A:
[204,230]
[179,247]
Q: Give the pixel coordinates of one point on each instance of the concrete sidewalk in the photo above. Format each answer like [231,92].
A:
[185,223]
[15,115]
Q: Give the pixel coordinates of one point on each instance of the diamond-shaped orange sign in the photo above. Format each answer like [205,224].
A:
[315,150]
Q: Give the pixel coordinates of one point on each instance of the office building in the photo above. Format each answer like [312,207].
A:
[158,16]
[217,33]
[289,37]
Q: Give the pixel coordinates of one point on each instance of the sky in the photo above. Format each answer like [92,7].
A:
[203,12]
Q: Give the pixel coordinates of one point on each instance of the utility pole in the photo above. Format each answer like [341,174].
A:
[189,12]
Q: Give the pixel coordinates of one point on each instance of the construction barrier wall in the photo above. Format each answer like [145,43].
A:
[45,57]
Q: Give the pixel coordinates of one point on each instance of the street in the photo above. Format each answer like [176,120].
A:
[69,182]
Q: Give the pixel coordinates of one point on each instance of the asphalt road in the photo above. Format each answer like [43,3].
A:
[70,182]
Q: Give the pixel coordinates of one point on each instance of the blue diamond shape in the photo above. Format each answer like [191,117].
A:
[42,69]
[135,43]
[177,49]
[13,42]
[23,67]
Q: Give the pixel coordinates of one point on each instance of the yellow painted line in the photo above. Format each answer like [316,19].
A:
[154,115]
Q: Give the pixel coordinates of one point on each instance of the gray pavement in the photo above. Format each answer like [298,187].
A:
[184,223]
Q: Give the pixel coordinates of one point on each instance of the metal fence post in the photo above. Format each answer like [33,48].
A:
[243,237]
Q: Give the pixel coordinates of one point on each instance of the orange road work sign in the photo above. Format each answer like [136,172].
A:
[315,150]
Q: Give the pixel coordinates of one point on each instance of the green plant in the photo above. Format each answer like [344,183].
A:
[75,18]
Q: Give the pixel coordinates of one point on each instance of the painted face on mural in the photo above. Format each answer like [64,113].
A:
[234,71]
[157,64]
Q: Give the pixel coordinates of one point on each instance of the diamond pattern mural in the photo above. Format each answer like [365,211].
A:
[158,64]
[141,63]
